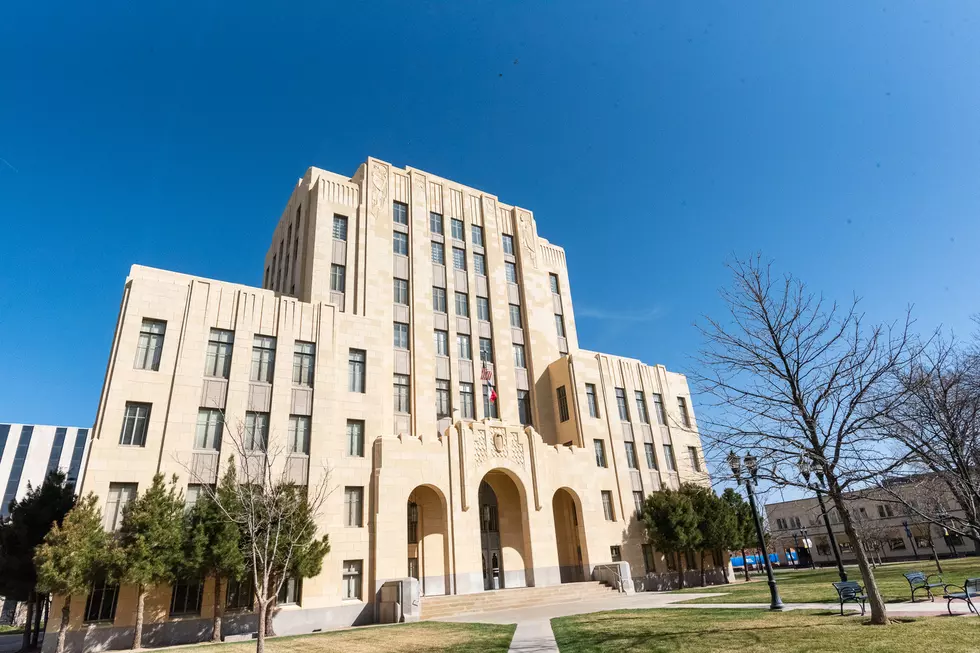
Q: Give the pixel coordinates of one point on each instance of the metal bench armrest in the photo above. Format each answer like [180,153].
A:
[938,576]
[946,587]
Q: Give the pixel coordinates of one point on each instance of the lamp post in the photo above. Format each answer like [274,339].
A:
[908,532]
[796,551]
[808,547]
[752,466]
[947,536]
[805,470]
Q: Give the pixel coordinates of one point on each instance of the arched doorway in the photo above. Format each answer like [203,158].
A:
[428,544]
[568,528]
[505,546]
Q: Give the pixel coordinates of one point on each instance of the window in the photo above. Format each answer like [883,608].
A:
[150,345]
[402,401]
[631,455]
[186,597]
[885,510]
[443,407]
[239,594]
[355,438]
[486,350]
[438,299]
[256,431]
[562,404]
[781,524]
[624,411]
[560,326]
[462,304]
[600,453]
[669,458]
[218,361]
[192,496]
[352,580]
[354,506]
[607,506]
[638,503]
[399,212]
[463,344]
[896,544]
[401,291]
[338,278]
[263,358]
[648,566]
[515,316]
[101,602]
[692,454]
[511,271]
[303,357]
[119,496]
[459,258]
[480,264]
[442,343]
[658,409]
[483,309]
[209,425]
[651,455]
[339,227]
[519,360]
[289,593]
[401,335]
[299,434]
[524,407]
[466,400]
[508,241]
[615,554]
[553,280]
[435,223]
[641,406]
[413,523]
[135,421]
[477,235]
[438,253]
[685,417]
[399,243]
[489,407]
[457,229]
[355,370]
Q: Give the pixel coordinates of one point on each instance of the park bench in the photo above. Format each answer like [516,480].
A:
[967,592]
[852,592]
[918,581]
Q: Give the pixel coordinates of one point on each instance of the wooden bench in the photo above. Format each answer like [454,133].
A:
[918,581]
[967,592]
[850,592]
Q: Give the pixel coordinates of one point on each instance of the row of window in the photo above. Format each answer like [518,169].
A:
[650,455]
[281,261]
[642,413]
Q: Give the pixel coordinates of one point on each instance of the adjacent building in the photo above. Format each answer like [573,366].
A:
[29,452]
[414,340]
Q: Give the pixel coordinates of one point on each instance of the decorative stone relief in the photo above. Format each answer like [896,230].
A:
[379,193]
[419,190]
[480,453]
[496,442]
[517,447]
[489,212]
[527,237]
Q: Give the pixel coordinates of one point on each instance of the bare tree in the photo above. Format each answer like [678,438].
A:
[792,376]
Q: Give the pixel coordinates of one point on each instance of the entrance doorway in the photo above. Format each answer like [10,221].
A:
[493,576]
[568,526]
[428,544]
[505,547]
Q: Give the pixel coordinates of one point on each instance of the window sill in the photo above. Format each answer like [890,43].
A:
[184,616]
[101,623]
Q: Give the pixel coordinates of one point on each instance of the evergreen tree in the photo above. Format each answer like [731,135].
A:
[72,557]
[743,536]
[716,523]
[672,524]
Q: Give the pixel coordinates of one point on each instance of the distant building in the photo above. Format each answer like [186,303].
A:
[29,451]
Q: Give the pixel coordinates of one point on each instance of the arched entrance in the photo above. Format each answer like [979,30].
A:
[568,528]
[505,546]
[428,544]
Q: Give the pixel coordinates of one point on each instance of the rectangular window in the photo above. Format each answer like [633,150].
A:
[192,496]
[256,431]
[600,453]
[401,335]
[352,580]
[442,343]
[508,241]
[631,461]
[651,455]
[560,325]
[480,264]
[486,350]
[658,409]
[186,597]
[466,400]
[304,354]
[401,394]
[624,411]
[483,309]
[524,407]
[463,344]
[299,434]
[263,358]
[648,566]
[289,593]
[638,503]
[519,360]
[515,316]
[135,422]
[511,271]
[615,553]
[438,253]
[885,510]
[354,506]
[682,407]
[562,404]
[209,426]
[593,402]
[355,370]
[339,227]
[413,524]
[462,304]
[101,602]
[669,458]
[607,506]
[692,454]
[399,243]
[399,212]
[218,361]
[401,291]
[457,229]
[477,235]
[438,299]
[443,406]
[459,258]
[119,496]
[489,407]
[435,223]
[553,280]
[338,278]
[150,346]
[355,438]
[641,407]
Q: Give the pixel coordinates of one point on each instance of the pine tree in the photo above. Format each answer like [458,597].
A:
[672,524]
[716,522]
[743,536]
[72,557]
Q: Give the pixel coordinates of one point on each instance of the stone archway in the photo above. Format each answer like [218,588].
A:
[428,541]
[504,541]
[569,531]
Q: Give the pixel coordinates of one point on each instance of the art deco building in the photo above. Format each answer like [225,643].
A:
[394,305]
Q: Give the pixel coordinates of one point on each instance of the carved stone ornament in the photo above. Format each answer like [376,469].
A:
[499,439]
[419,190]
[527,237]
[379,192]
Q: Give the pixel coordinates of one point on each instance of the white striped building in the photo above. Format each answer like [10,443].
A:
[29,451]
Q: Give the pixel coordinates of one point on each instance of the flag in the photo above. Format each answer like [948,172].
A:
[487,375]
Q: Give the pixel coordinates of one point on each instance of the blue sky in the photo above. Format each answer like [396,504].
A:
[653,140]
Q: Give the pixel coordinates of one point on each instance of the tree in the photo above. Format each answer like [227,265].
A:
[716,523]
[793,376]
[743,535]
[671,523]
[150,543]
[72,557]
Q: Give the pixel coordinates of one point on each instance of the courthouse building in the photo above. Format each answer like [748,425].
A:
[415,340]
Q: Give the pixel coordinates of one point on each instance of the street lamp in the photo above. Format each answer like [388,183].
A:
[806,468]
[947,536]
[807,544]
[752,465]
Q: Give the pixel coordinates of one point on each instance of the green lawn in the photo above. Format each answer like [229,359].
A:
[814,586]
[758,631]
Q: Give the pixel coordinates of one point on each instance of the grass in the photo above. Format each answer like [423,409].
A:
[6,629]
[814,585]
[757,631]
[403,638]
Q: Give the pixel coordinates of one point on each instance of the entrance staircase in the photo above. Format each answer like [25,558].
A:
[434,607]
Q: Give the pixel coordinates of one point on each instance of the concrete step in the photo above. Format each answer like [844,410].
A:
[509,599]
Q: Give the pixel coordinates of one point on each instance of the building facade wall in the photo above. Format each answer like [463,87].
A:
[28,452]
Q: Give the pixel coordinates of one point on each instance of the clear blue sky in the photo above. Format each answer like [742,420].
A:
[651,139]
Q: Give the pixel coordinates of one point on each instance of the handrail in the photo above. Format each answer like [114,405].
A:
[615,569]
